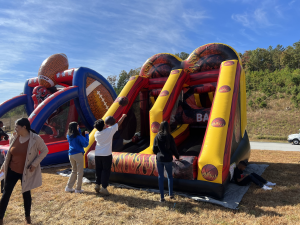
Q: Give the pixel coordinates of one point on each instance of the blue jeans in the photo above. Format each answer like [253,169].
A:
[160,168]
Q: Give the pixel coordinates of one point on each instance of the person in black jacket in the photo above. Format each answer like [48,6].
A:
[164,147]
[2,133]
[245,179]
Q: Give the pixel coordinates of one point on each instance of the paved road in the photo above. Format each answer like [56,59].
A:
[274,146]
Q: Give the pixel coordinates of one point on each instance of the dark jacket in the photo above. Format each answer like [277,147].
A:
[237,174]
[164,154]
[3,135]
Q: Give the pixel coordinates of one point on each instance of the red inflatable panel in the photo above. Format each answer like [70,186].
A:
[145,164]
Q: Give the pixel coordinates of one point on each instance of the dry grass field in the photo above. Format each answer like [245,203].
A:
[51,205]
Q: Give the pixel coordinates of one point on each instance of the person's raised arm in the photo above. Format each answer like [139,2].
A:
[121,120]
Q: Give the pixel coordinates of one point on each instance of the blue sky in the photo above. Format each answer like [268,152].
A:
[110,36]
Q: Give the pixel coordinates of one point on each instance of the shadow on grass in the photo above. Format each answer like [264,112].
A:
[285,193]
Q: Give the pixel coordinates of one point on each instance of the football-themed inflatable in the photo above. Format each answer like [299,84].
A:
[203,98]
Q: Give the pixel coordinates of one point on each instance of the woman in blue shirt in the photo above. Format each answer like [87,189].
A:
[76,144]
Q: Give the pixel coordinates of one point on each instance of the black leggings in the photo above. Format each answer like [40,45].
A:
[10,182]
[253,177]
[103,167]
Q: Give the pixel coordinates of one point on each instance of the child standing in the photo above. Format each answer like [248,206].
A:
[76,144]
[103,150]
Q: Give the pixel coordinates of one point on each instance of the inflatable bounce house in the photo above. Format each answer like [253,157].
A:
[57,97]
[203,98]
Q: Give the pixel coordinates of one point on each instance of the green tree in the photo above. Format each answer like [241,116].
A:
[112,79]
[182,55]
[124,77]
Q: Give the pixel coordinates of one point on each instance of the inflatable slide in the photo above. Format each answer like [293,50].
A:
[204,100]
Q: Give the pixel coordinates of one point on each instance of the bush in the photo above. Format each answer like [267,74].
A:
[251,103]
[263,104]
[258,100]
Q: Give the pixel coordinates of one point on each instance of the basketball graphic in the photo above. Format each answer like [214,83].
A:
[224,89]
[159,65]
[50,67]
[155,127]
[209,172]
[98,97]
[160,70]
[228,63]
[122,101]
[218,122]
[164,93]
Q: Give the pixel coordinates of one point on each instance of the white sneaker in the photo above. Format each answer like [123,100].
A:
[266,188]
[270,184]
[79,191]
[69,189]
[104,191]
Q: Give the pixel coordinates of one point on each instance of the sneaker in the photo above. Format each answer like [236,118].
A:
[266,188]
[69,189]
[171,196]
[104,191]
[162,200]
[270,184]
[79,191]
[97,188]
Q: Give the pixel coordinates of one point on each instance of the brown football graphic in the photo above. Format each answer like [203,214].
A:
[218,122]
[50,67]
[155,127]
[224,89]
[164,93]
[98,96]
[209,172]
[228,63]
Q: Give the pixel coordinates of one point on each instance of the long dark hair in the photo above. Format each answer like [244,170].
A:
[72,130]
[164,129]
[25,122]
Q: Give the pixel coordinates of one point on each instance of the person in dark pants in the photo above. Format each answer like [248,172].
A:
[245,179]
[2,133]
[103,150]
[164,147]
[22,162]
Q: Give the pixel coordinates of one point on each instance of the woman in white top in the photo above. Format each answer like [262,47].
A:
[103,150]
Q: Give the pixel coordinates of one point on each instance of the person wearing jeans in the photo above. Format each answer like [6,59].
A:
[244,180]
[164,147]
[103,150]
[76,144]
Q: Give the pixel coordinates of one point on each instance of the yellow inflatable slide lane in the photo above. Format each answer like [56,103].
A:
[214,157]
[164,104]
